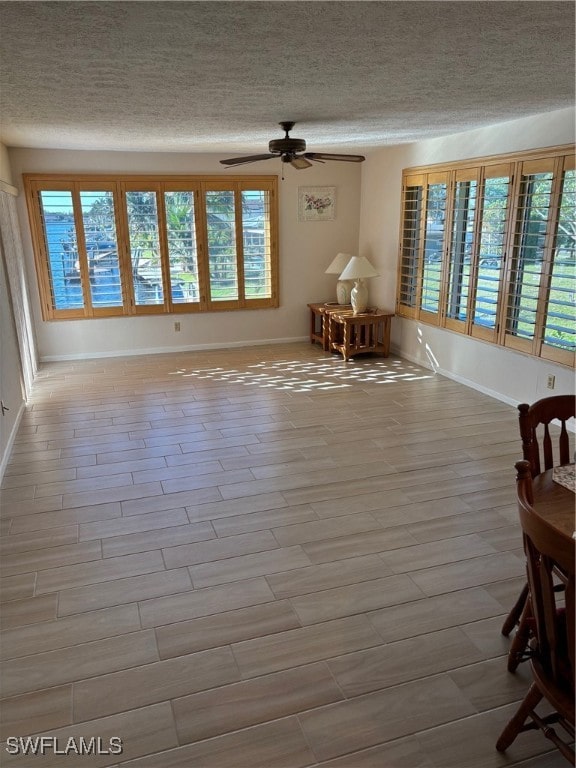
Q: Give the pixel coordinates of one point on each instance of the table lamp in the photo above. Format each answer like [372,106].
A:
[342,286]
[357,269]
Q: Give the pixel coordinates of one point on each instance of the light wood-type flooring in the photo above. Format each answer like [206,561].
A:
[262,558]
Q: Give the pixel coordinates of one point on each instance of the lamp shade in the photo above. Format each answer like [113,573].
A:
[338,263]
[357,268]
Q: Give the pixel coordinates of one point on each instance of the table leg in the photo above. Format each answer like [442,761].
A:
[325,332]
[386,336]
[346,342]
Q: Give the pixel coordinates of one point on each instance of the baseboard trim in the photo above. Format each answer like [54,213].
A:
[171,350]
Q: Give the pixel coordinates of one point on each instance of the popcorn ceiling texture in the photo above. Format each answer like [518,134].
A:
[219,76]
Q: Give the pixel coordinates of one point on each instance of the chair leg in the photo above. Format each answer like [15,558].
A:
[514,616]
[533,697]
[517,652]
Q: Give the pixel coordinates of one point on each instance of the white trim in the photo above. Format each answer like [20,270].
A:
[11,439]
[167,350]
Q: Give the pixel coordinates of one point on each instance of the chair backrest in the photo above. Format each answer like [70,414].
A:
[549,561]
[560,408]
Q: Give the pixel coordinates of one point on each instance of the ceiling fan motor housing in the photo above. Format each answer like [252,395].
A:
[287,145]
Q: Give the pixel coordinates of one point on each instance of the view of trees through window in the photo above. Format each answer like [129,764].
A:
[490,251]
[433,243]
[560,315]
[191,248]
[491,239]
[182,249]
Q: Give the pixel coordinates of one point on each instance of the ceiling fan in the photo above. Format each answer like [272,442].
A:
[292,151]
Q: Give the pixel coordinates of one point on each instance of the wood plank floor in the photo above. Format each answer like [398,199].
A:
[262,557]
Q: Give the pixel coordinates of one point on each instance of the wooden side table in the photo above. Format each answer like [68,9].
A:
[353,334]
[318,321]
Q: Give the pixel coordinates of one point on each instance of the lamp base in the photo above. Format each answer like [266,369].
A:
[343,291]
[359,297]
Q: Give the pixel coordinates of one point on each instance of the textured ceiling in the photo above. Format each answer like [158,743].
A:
[219,76]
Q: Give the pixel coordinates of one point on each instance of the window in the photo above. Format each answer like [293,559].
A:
[144,248]
[410,244]
[148,245]
[434,237]
[532,225]
[465,192]
[101,247]
[180,210]
[491,241]
[487,248]
[560,317]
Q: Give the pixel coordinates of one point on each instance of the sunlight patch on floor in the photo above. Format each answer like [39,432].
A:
[303,375]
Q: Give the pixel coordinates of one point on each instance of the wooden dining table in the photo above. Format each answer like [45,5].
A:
[554,501]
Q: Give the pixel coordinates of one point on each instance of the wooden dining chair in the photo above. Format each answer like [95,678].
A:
[549,558]
[538,449]
[537,417]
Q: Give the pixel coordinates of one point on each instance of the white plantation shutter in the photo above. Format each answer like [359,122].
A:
[532,228]
[559,330]
[487,249]
[462,255]
[494,205]
[435,235]
[410,245]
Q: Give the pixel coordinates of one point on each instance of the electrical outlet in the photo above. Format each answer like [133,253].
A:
[550,381]
[177,327]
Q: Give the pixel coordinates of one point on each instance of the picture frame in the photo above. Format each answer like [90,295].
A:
[316,203]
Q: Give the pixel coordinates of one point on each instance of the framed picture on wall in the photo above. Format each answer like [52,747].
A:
[316,203]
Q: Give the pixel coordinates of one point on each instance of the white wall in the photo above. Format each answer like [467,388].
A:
[508,375]
[306,249]
[11,384]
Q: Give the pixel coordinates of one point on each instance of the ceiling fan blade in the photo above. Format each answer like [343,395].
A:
[246,159]
[327,156]
[300,163]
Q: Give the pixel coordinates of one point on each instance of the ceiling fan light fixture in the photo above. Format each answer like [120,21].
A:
[300,163]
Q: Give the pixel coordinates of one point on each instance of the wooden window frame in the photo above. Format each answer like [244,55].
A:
[119,185]
[427,315]
[411,261]
[492,171]
[471,175]
[548,351]
[410,255]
